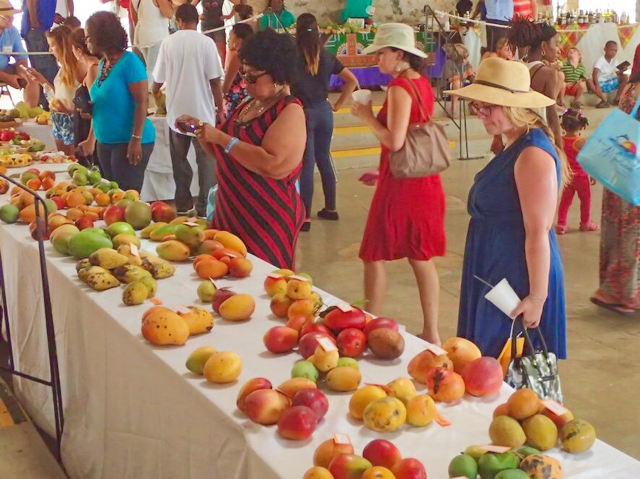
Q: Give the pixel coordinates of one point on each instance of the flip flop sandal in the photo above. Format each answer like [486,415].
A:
[614,308]
[560,230]
[590,226]
[603,104]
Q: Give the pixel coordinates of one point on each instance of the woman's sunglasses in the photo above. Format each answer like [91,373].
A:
[483,109]
[251,78]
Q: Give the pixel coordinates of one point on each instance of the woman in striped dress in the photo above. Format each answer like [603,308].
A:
[259,153]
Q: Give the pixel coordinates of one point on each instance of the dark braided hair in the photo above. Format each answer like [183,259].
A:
[524,32]
[573,120]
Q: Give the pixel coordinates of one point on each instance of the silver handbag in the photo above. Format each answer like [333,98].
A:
[536,370]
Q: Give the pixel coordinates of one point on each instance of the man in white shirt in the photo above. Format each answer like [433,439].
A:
[607,77]
[190,68]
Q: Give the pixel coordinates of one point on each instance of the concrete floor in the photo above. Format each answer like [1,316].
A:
[599,378]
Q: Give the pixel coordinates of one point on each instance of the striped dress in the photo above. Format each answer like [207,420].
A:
[265,213]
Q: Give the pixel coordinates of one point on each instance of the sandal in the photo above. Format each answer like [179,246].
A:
[561,229]
[326,214]
[614,308]
[590,226]
[603,104]
[306,226]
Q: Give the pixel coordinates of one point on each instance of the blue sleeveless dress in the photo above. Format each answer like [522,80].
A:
[495,250]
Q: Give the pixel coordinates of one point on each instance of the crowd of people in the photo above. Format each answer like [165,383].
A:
[255,107]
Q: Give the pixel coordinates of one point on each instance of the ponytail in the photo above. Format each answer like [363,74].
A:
[308,40]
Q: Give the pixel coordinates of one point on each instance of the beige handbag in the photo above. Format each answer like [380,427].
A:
[426,149]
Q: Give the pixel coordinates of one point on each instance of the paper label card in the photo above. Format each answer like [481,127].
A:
[182,309]
[441,420]
[555,407]
[134,250]
[326,344]
[191,222]
[299,278]
[213,283]
[437,350]
[274,276]
[156,301]
[339,438]
[494,448]
[344,307]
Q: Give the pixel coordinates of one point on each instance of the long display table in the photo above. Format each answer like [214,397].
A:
[133,410]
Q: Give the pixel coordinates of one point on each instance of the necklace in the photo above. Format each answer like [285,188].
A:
[106,69]
[255,108]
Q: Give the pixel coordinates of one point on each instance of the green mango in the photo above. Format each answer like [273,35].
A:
[98,231]
[525,451]
[463,465]
[512,474]
[82,244]
[490,464]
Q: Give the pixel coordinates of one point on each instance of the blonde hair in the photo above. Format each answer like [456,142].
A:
[61,35]
[527,118]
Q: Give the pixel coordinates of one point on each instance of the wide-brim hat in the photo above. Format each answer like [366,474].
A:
[7,9]
[395,35]
[505,83]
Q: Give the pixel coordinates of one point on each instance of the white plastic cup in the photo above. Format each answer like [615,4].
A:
[362,96]
[503,297]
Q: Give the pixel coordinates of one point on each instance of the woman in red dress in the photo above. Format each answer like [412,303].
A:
[259,153]
[406,219]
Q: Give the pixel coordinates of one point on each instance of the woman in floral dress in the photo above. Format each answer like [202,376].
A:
[620,241]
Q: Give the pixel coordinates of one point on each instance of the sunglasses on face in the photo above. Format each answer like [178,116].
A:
[251,78]
[483,108]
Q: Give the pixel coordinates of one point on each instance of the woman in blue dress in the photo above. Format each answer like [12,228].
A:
[512,206]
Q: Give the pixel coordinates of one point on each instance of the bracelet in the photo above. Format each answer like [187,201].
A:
[538,298]
[137,137]
[197,131]
[231,144]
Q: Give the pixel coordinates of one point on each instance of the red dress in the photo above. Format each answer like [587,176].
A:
[265,213]
[406,219]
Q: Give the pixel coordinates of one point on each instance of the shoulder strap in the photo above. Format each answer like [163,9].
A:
[418,98]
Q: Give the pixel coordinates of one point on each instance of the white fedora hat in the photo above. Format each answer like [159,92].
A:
[505,83]
[395,35]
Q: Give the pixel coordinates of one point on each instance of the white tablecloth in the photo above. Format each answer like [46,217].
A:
[132,410]
[158,178]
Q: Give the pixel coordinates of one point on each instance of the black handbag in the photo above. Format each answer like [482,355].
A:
[535,369]
[82,100]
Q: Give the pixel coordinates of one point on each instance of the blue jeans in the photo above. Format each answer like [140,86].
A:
[318,151]
[36,41]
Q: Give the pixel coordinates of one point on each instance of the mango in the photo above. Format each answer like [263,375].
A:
[541,432]
[125,250]
[158,234]
[238,307]
[506,431]
[82,244]
[129,273]
[198,358]
[102,281]
[199,320]
[231,241]
[138,215]
[135,293]
[146,232]
[222,368]
[325,361]
[362,398]
[305,369]
[107,258]
[151,284]
[463,465]
[173,251]
[9,213]
[403,389]
[297,289]
[421,410]
[60,242]
[189,235]
[206,290]
[577,436]
[291,386]
[84,272]
[125,239]
[386,414]
[164,327]
[343,378]
[119,228]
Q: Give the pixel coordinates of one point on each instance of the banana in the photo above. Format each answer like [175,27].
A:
[102,281]
[125,250]
[129,273]
[108,258]
[84,273]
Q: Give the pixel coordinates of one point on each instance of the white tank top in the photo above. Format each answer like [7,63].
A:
[65,92]
[540,111]
[152,27]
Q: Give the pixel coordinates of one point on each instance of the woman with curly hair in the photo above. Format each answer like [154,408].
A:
[125,137]
[541,42]
[259,153]
[60,93]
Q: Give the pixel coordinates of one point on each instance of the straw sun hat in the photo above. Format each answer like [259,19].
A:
[7,9]
[505,83]
[395,35]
